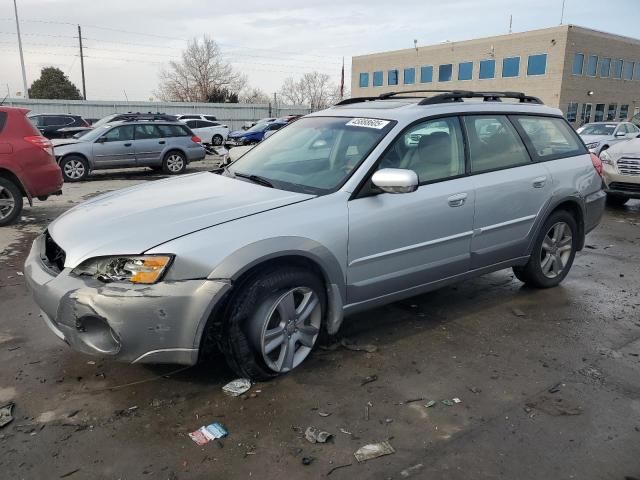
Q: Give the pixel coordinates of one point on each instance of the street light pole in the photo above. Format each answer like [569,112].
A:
[24,73]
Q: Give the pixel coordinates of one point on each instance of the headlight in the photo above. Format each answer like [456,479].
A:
[593,145]
[606,157]
[145,269]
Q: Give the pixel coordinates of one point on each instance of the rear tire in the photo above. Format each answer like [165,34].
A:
[10,202]
[616,200]
[74,168]
[263,335]
[217,140]
[174,163]
[553,252]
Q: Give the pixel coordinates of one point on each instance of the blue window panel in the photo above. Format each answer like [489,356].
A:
[592,66]
[605,67]
[636,73]
[426,74]
[445,72]
[628,70]
[465,71]
[487,69]
[510,67]
[364,80]
[537,64]
[617,69]
[392,77]
[378,79]
[409,76]
[578,62]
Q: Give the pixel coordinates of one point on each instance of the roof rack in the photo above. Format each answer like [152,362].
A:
[446,96]
[128,117]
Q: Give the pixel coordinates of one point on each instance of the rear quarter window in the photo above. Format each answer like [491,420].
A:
[549,137]
[174,131]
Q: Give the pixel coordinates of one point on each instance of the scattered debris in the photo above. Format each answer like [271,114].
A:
[324,414]
[6,414]
[307,460]
[411,400]
[369,379]
[346,432]
[204,434]
[73,414]
[518,313]
[430,403]
[357,348]
[407,472]
[237,387]
[475,390]
[315,435]
[591,247]
[68,474]
[366,410]
[20,274]
[456,400]
[373,450]
[338,467]
[555,388]
[448,403]
[554,406]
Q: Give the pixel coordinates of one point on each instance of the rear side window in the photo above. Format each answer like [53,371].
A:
[187,117]
[57,121]
[192,123]
[550,137]
[210,117]
[3,120]
[494,143]
[174,131]
[144,132]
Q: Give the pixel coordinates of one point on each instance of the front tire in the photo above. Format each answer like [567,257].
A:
[10,202]
[174,163]
[617,200]
[273,322]
[553,252]
[74,168]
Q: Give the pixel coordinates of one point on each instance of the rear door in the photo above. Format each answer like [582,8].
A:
[149,144]
[510,189]
[115,148]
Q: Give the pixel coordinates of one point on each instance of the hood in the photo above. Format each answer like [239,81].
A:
[237,133]
[61,142]
[136,219]
[630,148]
[594,138]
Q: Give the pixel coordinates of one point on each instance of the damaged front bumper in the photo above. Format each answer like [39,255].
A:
[160,323]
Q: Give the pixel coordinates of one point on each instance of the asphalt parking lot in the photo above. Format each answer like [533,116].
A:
[549,383]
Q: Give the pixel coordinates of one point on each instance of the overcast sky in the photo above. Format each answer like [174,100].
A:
[128,41]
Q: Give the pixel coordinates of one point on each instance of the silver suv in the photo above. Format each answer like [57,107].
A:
[366,203]
[162,144]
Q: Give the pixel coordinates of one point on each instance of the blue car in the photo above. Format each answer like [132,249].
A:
[254,135]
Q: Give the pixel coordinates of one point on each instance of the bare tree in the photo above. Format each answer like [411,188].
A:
[200,75]
[314,89]
[254,95]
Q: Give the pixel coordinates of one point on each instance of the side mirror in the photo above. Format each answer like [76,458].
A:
[395,180]
[638,136]
[101,140]
[621,134]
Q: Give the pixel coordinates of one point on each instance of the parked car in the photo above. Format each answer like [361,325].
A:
[599,136]
[157,144]
[53,125]
[250,124]
[116,117]
[27,166]
[191,116]
[213,133]
[622,171]
[254,135]
[337,214]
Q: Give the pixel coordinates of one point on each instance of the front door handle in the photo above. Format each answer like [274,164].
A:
[457,200]
[162,142]
[127,144]
[539,182]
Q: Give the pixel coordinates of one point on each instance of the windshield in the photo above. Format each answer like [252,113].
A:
[104,120]
[260,127]
[597,129]
[314,154]
[94,134]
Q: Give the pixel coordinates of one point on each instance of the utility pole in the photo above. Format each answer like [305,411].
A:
[84,86]
[510,23]
[24,73]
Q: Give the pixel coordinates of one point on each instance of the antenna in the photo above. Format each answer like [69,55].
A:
[562,14]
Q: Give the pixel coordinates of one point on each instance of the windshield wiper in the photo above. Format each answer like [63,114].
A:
[255,179]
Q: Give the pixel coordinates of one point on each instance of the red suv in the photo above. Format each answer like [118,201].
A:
[27,165]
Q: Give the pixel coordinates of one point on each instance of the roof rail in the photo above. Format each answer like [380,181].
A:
[446,96]
[128,117]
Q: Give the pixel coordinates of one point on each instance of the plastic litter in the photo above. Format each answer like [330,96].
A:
[369,379]
[6,414]
[518,313]
[407,472]
[430,403]
[357,348]
[205,434]
[307,460]
[237,387]
[315,435]
[373,450]
[456,400]
[448,403]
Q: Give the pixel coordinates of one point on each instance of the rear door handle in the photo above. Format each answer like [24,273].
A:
[127,144]
[457,200]
[539,182]
[162,142]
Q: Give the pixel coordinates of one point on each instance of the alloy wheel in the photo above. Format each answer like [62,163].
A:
[7,203]
[175,163]
[74,169]
[556,250]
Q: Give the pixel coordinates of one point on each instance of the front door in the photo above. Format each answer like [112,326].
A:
[149,145]
[114,148]
[398,242]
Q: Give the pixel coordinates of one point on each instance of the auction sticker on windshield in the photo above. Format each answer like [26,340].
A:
[368,123]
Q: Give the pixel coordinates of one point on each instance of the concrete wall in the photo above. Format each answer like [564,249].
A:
[551,41]
[234,114]
[576,88]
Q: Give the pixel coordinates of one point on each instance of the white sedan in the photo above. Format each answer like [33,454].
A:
[214,133]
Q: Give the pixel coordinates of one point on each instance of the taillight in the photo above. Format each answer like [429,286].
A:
[196,139]
[597,163]
[41,142]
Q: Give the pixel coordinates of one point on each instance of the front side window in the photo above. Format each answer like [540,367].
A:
[624,112]
[578,62]
[487,69]
[537,64]
[364,80]
[599,117]
[592,66]
[409,76]
[433,149]
[617,68]
[119,134]
[493,143]
[426,74]
[511,67]
[316,155]
[605,67]
[572,112]
[465,71]
[550,137]
[611,112]
[392,78]
[377,79]
[445,72]
[628,70]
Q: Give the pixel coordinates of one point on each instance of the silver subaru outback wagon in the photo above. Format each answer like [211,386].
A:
[366,203]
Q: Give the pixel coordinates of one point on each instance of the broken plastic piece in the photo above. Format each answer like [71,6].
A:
[456,400]
[448,403]
[6,414]
[315,435]
[373,450]
[430,403]
[237,387]
[407,472]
